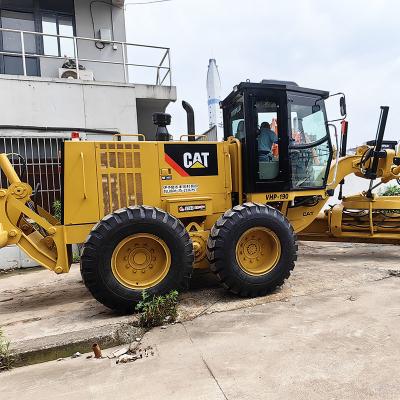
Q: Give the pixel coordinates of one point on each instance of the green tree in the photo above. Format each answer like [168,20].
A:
[391,190]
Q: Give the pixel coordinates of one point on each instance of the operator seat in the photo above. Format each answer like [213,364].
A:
[240,134]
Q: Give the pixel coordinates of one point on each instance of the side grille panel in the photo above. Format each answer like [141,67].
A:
[119,165]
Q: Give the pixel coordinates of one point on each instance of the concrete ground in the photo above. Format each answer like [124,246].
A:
[46,316]
[332,332]
[40,303]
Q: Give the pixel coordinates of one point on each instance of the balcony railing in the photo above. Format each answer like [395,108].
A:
[123,56]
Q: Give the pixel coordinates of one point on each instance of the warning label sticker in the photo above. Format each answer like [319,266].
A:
[185,188]
[192,207]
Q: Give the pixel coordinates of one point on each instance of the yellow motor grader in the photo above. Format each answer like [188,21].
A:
[148,212]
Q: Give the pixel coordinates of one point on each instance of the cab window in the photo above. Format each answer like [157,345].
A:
[309,144]
[237,120]
[267,139]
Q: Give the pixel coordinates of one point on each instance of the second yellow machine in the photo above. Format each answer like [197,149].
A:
[148,212]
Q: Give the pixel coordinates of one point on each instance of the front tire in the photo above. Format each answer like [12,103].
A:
[135,249]
[252,249]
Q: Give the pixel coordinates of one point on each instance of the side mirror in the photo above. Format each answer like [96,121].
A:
[343,109]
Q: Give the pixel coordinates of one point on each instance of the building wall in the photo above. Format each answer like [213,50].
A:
[87,49]
[77,104]
[65,103]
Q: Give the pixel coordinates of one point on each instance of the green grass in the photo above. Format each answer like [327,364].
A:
[6,359]
[157,310]
[76,257]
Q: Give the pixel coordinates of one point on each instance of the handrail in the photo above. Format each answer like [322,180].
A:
[164,64]
[83,176]
[83,38]
[337,156]
[139,135]
[191,136]
[232,139]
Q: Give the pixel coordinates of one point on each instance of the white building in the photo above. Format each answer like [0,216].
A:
[128,80]
[120,87]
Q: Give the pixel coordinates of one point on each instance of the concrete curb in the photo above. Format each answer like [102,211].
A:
[50,348]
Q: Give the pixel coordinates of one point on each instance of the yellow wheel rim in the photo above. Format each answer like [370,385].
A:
[258,251]
[141,261]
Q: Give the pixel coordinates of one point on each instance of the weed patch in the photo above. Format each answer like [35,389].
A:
[157,310]
[57,207]
[6,359]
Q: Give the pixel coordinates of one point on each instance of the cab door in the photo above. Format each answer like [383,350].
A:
[310,147]
[267,141]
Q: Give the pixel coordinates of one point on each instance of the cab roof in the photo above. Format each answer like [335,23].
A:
[273,84]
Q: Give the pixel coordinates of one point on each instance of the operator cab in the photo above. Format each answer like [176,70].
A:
[284,134]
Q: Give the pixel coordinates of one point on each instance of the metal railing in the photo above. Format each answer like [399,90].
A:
[42,166]
[162,68]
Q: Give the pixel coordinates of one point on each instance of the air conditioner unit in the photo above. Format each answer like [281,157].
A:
[84,75]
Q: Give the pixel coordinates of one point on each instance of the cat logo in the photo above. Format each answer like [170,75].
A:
[196,160]
[192,159]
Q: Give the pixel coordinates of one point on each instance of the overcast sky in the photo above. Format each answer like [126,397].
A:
[349,46]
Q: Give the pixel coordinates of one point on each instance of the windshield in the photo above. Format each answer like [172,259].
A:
[307,126]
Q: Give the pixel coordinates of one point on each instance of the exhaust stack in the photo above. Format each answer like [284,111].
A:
[190,120]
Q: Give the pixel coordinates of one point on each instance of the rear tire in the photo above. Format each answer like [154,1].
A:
[252,249]
[135,249]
